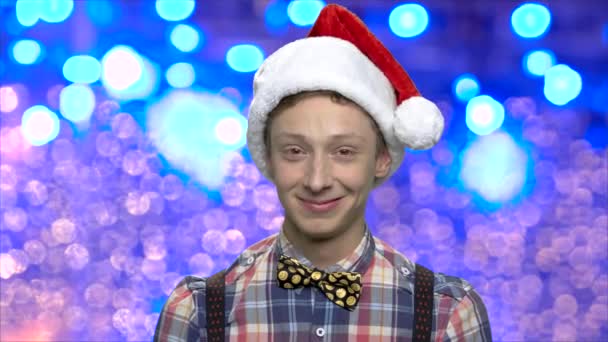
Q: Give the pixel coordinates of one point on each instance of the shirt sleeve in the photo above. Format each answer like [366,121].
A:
[179,318]
[469,321]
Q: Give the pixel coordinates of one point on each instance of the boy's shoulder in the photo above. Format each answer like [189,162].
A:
[447,285]
[249,257]
[243,262]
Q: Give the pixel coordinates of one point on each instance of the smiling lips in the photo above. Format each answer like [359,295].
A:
[320,206]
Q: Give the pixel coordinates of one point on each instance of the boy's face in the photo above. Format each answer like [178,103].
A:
[323,160]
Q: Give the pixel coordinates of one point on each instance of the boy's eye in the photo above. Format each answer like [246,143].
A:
[345,152]
[293,151]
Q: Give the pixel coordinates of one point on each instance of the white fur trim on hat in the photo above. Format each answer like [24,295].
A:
[418,123]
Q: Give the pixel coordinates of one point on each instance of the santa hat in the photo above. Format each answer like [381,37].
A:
[340,54]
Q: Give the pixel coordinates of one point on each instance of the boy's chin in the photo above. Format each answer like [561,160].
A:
[318,229]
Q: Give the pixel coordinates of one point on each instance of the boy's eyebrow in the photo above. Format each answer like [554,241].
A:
[340,136]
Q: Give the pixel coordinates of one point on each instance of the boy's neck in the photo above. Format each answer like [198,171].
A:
[324,253]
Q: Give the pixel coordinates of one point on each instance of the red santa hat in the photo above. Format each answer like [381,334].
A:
[342,55]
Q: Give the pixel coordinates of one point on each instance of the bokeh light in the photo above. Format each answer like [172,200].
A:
[304,12]
[27,51]
[55,11]
[82,69]
[8,99]
[101,12]
[185,38]
[180,75]
[494,167]
[28,12]
[408,20]
[133,188]
[76,103]
[175,10]
[275,15]
[13,144]
[537,62]
[39,125]
[127,75]
[465,87]
[7,266]
[484,115]
[244,57]
[562,84]
[530,20]
[77,257]
[144,87]
[183,126]
[122,67]
[231,129]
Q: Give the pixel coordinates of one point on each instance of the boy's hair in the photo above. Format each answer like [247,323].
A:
[336,97]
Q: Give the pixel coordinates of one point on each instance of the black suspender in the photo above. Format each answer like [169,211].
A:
[215,311]
[423,304]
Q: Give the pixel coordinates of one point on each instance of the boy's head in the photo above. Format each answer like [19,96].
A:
[324,153]
[341,55]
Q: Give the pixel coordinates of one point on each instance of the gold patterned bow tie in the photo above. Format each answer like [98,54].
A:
[342,288]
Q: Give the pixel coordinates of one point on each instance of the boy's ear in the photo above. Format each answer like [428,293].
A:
[383,163]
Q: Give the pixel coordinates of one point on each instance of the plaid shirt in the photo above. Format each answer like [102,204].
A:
[258,310]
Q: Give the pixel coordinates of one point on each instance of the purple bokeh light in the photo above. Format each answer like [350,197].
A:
[100,223]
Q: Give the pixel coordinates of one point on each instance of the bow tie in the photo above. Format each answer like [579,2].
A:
[342,288]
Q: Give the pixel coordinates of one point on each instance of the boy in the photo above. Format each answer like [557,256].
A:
[331,116]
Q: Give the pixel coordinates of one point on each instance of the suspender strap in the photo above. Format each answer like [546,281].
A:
[215,307]
[423,304]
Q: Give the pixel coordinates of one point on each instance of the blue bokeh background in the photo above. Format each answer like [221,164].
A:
[124,167]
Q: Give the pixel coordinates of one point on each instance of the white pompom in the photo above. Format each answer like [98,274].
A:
[418,123]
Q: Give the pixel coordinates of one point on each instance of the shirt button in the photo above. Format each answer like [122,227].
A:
[250,260]
[320,332]
[405,271]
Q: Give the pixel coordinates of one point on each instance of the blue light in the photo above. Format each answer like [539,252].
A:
[562,84]
[230,130]
[599,100]
[531,20]
[244,57]
[185,38]
[121,68]
[82,69]
[76,103]
[484,115]
[28,12]
[127,75]
[465,87]
[172,10]
[275,15]
[195,131]
[538,62]
[145,86]
[100,12]
[408,20]
[304,12]
[180,75]
[27,51]
[39,125]
[494,167]
[55,11]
